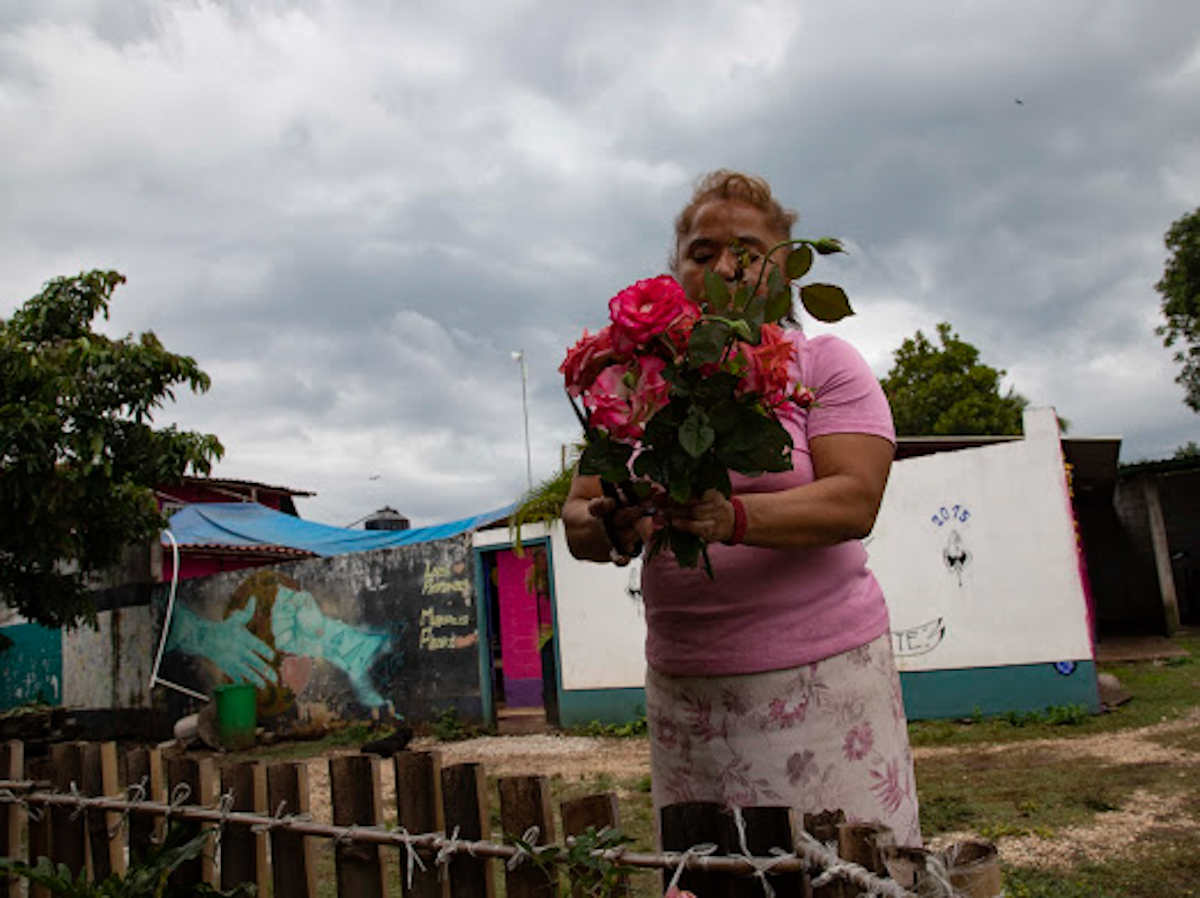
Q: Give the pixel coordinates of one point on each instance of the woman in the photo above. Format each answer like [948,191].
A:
[773,682]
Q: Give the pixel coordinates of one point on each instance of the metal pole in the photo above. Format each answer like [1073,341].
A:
[519,356]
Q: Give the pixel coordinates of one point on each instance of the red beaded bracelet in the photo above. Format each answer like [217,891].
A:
[739,522]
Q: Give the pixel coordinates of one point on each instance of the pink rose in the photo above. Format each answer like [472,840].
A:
[586,359]
[804,397]
[646,309]
[623,398]
[650,390]
[607,401]
[680,330]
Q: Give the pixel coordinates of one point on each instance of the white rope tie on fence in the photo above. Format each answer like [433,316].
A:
[940,875]
[696,851]
[411,857]
[760,866]
[445,852]
[224,807]
[520,852]
[814,852]
[8,796]
[73,791]
[179,796]
[135,794]
[279,820]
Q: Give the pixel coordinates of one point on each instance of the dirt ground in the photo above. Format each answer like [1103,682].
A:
[623,759]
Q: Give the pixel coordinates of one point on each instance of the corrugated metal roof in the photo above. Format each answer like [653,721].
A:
[251,484]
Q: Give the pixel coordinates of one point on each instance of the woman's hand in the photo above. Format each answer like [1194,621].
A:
[711,517]
[601,529]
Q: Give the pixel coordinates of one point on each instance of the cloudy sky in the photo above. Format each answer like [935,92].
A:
[352,212]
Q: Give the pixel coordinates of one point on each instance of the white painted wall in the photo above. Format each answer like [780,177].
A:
[1018,596]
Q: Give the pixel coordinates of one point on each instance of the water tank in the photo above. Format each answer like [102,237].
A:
[387,518]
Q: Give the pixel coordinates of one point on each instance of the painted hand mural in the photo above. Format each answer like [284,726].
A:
[226,643]
[276,635]
[301,628]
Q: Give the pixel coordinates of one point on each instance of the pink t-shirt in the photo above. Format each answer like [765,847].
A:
[769,609]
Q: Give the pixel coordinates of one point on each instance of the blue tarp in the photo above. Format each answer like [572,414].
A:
[248,524]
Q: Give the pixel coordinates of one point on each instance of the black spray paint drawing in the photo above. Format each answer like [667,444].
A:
[956,556]
[918,640]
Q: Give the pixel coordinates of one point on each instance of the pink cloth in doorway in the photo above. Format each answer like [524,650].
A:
[518,630]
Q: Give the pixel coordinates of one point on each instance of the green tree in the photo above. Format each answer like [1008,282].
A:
[79,457]
[1180,289]
[948,391]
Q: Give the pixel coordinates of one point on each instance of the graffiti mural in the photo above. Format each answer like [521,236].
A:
[955,555]
[375,634]
[919,640]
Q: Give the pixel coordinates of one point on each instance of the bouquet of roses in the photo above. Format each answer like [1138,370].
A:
[678,394]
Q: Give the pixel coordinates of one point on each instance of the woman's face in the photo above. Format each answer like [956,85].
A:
[717,228]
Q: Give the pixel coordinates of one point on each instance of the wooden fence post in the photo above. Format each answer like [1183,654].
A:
[863,844]
[695,823]
[524,804]
[354,783]
[767,828]
[68,832]
[40,832]
[824,828]
[12,767]
[99,761]
[197,774]
[291,853]
[686,825]
[144,765]
[419,810]
[464,795]
[243,851]
[597,811]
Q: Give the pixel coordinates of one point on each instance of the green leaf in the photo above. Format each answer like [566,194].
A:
[827,245]
[779,304]
[825,302]
[707,343]
[696,435]
[716,293]
[799,261]
[605,457]
[686,546]
[754,315]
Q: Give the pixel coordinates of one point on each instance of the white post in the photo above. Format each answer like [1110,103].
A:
[519,357]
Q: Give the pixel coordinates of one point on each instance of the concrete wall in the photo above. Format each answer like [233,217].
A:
[103,667]
[979,557]
[109,667]
[357,636]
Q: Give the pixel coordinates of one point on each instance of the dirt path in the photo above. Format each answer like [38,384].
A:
[1111,832]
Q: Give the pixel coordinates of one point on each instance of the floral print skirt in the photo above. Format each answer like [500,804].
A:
[824,736]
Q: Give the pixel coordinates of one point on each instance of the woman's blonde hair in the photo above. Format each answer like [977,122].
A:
[724,184]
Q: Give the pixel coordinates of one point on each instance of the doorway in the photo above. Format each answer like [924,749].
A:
[520,638]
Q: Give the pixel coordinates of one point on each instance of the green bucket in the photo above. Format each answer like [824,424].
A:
[237,716]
